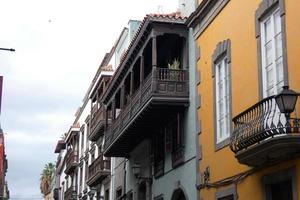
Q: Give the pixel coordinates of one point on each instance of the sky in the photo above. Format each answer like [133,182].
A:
[59,46]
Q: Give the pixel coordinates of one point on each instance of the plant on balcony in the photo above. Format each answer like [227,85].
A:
[46,179]
[174,66]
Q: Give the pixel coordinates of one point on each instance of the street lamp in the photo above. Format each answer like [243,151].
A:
[5,49]
[286,100]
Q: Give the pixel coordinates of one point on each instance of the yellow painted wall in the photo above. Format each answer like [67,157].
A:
[237,23]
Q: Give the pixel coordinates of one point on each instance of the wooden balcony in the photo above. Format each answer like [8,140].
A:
[262,135]
[70,193]
[71,161]
[97,123]
[98,170]
[162,93]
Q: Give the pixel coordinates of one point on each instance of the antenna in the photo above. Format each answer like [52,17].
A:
[159,9]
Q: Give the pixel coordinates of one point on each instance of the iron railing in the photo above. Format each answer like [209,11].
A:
[261,122]
[161,81]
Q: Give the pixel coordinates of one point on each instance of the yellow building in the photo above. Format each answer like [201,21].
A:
[247,51]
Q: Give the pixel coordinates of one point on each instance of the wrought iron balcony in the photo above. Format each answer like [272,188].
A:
[164,91]
[97,123]
[98,170]
[70,193]
[71,161]
[263,135]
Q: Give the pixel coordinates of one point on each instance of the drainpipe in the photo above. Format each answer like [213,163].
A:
[125,160]
[149,180]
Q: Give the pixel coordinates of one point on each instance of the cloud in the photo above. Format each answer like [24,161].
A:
[59,46]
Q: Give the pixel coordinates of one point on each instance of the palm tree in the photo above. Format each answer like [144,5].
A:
[46,178]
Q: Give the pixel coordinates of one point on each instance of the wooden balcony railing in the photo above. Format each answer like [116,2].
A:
[70,193]
[177,156]
[71,160]
[169,85]
[98,170]
[97,122]
[261,122]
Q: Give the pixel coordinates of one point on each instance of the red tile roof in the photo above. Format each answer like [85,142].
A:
[174,17]
[106,68]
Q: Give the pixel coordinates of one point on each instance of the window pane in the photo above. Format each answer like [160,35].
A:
[269,51]
[270,77]
[278,43]
[268,34]
[277,20]
[279,70]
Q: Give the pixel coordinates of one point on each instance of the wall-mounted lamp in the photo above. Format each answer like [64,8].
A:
[286,100]
[136,170]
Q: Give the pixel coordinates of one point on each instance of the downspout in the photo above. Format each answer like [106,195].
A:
[125,160]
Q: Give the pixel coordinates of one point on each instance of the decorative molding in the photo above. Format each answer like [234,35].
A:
[205,14]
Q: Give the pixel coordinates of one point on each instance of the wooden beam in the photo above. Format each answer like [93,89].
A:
[154,52]
[141,70]
[131,81]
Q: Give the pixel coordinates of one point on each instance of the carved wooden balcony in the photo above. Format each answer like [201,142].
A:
[70,193]
[163,92]
[98,170]
[71,161]
[262,135]
[97,123]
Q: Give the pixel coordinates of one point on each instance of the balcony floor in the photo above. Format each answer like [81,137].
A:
[152,116]
[272,150]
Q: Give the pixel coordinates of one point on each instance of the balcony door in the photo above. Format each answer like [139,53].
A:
[272,56]
[280,191]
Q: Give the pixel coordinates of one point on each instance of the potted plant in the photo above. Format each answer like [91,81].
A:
[174,66]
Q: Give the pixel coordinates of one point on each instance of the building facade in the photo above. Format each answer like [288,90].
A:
[82,171]
[4,192]
[151,114]
[246,52]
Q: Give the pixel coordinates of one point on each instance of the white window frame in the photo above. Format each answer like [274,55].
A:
[222,98]
[275,57]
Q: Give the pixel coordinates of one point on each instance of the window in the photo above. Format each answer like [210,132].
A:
[129,195]
[271,56]
[82,140]
[63,190]
[106,194]
[280,185]
[86,137]
[222,98]
[80,178]
[270,36]
[226,194]
[92,157]
[175,127]
[159,153]
[119,193]
[86,173]
[229,197]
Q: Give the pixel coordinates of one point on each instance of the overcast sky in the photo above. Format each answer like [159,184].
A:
[59,45]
